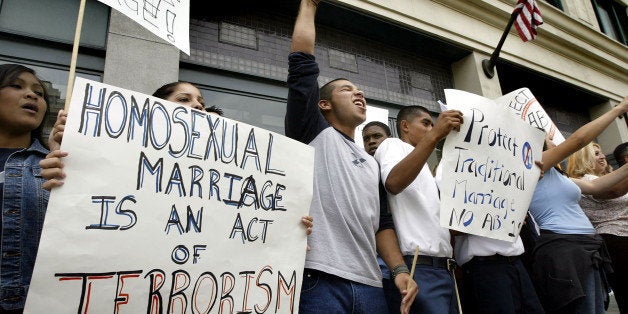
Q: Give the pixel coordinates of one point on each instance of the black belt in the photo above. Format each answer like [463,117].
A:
[495,258]
[544,231]
[440,262]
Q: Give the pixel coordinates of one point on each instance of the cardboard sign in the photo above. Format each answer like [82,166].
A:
[525,105]
[488,168]
[170,209]
[168,19]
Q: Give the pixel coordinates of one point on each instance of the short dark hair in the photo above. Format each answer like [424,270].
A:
[620,151]
[384,126]
[408,113]
[215,109]
[8,74]
[326,90]
[167,89]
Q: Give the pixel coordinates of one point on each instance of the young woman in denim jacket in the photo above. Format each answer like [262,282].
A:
[23,105]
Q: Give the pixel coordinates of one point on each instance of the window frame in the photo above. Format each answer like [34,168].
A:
[612,7]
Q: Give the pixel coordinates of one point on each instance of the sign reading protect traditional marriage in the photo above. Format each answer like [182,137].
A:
[489,174]
[166,209]
[168,19]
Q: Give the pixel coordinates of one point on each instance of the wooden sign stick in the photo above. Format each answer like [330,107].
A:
[416,256]
[75,47]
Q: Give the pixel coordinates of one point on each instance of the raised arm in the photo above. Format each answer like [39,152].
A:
[303,118]
[304,34]
[410,166]
[582,136]
[604,183]
[616,191]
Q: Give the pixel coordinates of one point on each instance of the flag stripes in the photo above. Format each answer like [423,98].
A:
[528,19]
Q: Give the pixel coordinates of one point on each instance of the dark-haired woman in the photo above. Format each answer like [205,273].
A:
[23,105]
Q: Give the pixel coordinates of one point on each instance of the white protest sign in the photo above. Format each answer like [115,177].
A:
[525,105]
[488,168]
[168,19]
[170,209]
[372,114]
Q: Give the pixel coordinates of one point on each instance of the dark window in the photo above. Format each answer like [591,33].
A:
[556,3]
[611,15]
[30,33]
[55,20]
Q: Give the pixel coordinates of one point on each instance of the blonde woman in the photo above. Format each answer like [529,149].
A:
[608,212]
[588,160]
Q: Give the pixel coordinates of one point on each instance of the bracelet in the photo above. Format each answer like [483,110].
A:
[399,269]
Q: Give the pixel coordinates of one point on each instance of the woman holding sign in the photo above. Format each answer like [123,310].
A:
[569,254]
[608,213]
[23,105]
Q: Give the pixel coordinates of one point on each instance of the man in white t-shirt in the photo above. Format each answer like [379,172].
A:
[414,203]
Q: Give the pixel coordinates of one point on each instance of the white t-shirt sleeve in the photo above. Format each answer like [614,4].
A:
[438,174]
[388,155]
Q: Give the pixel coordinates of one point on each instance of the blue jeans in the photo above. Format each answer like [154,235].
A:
[498,287]
[593,301]
[436,291]
[329,294]
[383,268]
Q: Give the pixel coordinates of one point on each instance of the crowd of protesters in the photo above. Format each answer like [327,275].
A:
[372,205]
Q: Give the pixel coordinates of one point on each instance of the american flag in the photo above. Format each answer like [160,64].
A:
[528,19]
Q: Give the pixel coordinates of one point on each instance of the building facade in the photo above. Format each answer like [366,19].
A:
[400,52]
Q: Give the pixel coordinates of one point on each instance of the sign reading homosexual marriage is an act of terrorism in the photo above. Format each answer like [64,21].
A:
[488,167]
[170,209]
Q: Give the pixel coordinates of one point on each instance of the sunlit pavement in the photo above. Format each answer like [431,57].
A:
[612,307]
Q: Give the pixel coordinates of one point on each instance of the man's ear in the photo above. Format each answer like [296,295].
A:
[403,126]
[324,105]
